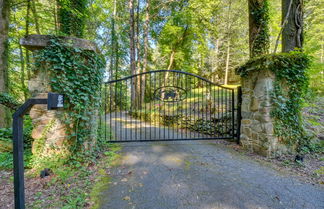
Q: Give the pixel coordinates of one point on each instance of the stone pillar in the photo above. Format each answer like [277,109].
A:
[49,131]
[257,130]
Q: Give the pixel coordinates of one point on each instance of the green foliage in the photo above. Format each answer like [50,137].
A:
[9,101]
[72,16]
[6,159]
[316,73]
[6,133]
[78,75]
[289,89]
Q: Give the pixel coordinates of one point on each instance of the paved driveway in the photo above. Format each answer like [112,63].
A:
[201,175]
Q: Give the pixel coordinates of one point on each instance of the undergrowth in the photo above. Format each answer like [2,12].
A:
[78,184]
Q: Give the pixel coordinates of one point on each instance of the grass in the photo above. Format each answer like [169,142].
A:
[111,158]
[320,171]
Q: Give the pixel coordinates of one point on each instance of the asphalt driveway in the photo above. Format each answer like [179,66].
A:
[201,175]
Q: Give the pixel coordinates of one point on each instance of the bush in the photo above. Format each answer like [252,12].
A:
[6,133]
[6,159]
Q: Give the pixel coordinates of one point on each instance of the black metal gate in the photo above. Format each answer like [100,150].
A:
[169,105]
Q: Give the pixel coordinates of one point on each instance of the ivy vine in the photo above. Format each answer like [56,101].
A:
[72,17]
[290,87]
[259,11]
[78,75]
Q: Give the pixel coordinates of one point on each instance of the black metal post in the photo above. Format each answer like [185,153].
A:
[239,113]
[18,160]
[18,151]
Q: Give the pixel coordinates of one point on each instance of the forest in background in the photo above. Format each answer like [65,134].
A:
[205,37]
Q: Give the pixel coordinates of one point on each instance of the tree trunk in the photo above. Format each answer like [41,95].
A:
[34,11]
[138,57]
[4,83]
[132,51]
[22,75]
[113,44]
[55,8]
[229,32]
[137,38]
[171,59]
[112,57]
[259,39]
[26,34]
[215,61]
[146,47]
[116,58]
[227,62]
[292,35]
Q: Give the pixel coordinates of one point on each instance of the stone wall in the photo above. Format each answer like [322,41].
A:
[257,130]
[49,133]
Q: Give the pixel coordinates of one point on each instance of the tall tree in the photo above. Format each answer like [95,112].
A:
[113,42]
[228,42]
[258,27]
[146,35]
[132,49]
[137,37]
[22,73]
[35,15]
[138,55]
[146,47]
[292,35]
[4,29]
[26,34]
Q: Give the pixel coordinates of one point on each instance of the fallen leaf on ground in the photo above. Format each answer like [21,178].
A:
[127,198]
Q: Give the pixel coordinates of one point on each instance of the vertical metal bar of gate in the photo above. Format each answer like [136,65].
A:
[239,113]
[207,110]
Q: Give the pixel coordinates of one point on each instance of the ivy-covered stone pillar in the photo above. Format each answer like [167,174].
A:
[257,125]
[68,66]
[257,131]
[272,88]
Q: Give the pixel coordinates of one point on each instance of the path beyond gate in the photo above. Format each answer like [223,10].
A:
[150,106]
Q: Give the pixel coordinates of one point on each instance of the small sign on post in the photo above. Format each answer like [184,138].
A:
[55,101]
